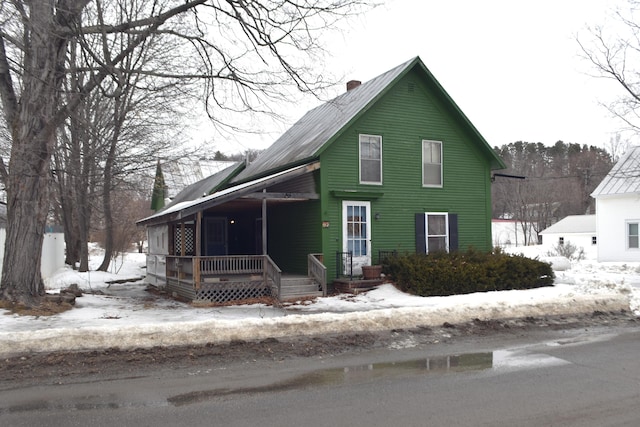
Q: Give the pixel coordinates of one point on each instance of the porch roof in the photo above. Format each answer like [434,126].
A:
[187,208]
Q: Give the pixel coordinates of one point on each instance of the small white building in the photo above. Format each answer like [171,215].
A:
[52,247]
[579,230]
[618,210]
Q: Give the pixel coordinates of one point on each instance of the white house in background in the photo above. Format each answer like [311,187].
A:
[618,210]
[579,230]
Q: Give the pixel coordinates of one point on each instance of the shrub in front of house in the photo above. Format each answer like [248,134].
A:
[440,274]
[567,250]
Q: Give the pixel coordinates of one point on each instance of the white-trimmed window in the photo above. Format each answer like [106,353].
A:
[437,232]
[370,159]
[632,235]
[431,163]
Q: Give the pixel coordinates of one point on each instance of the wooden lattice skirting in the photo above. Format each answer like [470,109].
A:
[231,291]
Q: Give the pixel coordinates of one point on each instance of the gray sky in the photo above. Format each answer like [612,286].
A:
[513,67]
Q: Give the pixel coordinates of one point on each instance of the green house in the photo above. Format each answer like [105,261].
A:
[391,165]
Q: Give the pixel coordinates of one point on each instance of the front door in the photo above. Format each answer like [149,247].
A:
[215,236]
[356,234]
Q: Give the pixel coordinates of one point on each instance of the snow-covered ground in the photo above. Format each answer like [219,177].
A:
[127,316]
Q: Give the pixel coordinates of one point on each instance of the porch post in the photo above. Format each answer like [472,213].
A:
[198,252]
[182,239]
[264,223]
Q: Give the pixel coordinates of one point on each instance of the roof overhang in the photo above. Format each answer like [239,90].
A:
[245,190]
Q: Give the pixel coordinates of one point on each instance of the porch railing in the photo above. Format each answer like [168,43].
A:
[232,264]
[384,255]
[196,270]
[317,271]
[273,273]
[344,264]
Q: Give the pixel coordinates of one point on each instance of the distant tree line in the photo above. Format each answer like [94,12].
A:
[558,181]
[249,154]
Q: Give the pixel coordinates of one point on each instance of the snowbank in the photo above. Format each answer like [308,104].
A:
[127,316]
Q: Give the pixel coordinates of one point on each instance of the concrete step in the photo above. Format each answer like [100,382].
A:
[299,287]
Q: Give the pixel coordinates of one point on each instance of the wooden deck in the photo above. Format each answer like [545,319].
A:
[234,278]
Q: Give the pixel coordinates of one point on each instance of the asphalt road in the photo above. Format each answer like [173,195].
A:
[582,377]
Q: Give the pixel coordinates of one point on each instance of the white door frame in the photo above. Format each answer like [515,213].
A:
[357,231]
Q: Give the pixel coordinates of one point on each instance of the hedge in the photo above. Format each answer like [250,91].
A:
[442,273]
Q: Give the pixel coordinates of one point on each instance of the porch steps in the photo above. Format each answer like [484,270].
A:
[298,287]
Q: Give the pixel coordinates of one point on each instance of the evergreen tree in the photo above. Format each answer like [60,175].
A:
[159,187]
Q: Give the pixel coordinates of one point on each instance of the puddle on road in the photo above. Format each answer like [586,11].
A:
[98,402]
[498,360]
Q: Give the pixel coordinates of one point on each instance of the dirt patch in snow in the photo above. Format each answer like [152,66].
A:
[66,367]
[45,308]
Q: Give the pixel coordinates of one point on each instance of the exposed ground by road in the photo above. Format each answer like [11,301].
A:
[65,367]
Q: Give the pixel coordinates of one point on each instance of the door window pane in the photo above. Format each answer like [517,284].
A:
[357,230]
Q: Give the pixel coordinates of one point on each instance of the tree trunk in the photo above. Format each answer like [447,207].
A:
[119,117]
[33,136]
[108,230]
[27,204]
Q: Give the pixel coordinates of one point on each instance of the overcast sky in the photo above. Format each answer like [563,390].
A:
[513,67]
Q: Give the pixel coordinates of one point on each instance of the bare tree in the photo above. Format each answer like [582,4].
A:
[259,62]
[613,52]
[559,182]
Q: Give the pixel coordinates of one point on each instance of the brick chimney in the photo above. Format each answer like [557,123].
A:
[352,84]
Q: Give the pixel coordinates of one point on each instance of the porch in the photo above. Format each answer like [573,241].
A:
[221,279]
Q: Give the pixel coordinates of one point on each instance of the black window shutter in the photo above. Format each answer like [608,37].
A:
[453,232]
[421,234]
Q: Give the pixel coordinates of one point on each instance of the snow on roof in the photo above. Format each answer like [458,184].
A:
[573,224]
[624,177]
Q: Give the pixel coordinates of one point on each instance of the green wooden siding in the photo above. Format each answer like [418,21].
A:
[294,232]
[405,116]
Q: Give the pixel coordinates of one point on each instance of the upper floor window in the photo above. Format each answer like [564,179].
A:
[431,163]
[632,235]
[370,159]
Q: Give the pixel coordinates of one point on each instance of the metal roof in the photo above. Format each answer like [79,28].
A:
[573,224]
[205,186]
[301,145]
[624,177]
[180,173]
[306,138]
[189,207]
